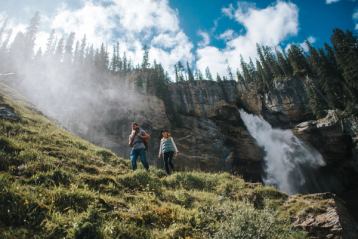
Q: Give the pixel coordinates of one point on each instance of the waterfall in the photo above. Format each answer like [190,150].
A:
[290,164]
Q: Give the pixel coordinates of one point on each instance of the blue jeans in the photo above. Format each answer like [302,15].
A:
[143,157]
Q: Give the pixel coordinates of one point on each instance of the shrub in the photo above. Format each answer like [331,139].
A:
[128,230]
[105,155]
[249,223]
[89,227]
[54,178]
[140,180]
[29,155]
[77,200]
[8,146]
[18,210]
[102,183]
[180,197]
[190,181]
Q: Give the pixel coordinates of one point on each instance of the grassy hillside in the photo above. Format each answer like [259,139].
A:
[56,185]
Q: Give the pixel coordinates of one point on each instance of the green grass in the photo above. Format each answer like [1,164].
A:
[56,185]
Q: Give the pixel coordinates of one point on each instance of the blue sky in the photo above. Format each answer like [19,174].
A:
[316,17]
[206,33]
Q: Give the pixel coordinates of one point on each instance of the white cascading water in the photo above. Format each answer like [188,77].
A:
[288,160]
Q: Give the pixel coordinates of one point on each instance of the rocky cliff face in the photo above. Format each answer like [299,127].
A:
[335,137]
[284,106]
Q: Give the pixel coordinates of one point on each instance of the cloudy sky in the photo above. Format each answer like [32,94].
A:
[206,33]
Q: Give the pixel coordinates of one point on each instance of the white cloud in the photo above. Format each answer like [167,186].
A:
[229,11]
[267,26]
[355,18]
[227,35]
[90,20]
[304,46]
[205,38]
[132,23]
[331,1]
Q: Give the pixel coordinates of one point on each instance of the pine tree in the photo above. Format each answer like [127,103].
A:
[125,63]
[5,43]
[262,84]
[346,48]
[190,73]
[145,61]
[181,71]
[331,55]
[245,70]
[119,59]
[270,60]
[30,36]
[268,75]
[101,59]
[208,74]
[298,61]
[76,58]
[176,73]
[114,59]
[2,29]
[346,94]
[240,78]
[198,75]
[284,63]
[229,73]
[50,44]
[17,48]
[314,101]
[69,48]
[252,71]
[59,49]
[38,56]
[319,83]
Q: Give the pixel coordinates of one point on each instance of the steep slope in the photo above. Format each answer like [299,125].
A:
[56,185]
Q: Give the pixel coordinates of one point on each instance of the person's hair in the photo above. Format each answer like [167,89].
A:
[162,131]
[135,123]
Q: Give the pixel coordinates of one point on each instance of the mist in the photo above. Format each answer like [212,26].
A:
[76,87]
[290,164]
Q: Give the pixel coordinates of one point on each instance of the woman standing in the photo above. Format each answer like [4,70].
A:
[168,149]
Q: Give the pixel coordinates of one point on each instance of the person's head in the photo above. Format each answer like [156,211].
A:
[165,133]
[135,126]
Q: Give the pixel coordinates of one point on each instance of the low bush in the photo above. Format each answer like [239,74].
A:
[77,200]
[190,181]
[246,222]
[53,178]
[17,210]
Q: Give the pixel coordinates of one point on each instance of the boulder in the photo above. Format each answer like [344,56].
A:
[322,215]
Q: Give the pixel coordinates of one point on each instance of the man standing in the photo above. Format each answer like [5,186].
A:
[138,141]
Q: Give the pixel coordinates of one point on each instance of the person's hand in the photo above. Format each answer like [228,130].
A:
[176,154]
[159,156]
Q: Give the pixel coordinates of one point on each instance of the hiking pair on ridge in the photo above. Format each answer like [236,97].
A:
[138,140]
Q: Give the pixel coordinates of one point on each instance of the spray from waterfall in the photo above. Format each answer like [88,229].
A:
[290,164]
